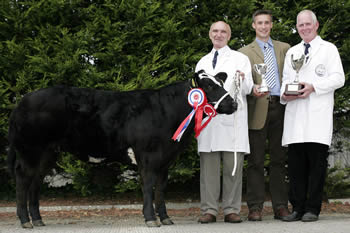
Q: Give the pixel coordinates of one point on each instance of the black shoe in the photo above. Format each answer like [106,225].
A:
[295,216]
[309,217]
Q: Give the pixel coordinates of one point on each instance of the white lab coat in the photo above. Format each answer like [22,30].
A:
[227,132]
[311,119]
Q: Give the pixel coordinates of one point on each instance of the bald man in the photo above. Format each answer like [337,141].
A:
[225,134]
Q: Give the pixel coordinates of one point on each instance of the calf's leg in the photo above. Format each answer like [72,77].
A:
[161,184]
[148,182]
[47,161]
[34,193]
[24,177]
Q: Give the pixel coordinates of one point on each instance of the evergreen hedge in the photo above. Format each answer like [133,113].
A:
[132,44]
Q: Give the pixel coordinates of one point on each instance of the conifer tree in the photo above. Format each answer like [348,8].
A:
[131,44]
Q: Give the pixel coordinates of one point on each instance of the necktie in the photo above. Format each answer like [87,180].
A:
[215,58]
[307,46]
[270,74]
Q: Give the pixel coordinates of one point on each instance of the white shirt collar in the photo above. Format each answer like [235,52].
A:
[314,42]
[221,51]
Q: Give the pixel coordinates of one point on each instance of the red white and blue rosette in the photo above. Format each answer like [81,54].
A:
[197,99]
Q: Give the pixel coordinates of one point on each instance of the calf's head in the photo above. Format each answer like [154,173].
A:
[213,86]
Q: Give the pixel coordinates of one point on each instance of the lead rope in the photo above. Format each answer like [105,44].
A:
[237,90]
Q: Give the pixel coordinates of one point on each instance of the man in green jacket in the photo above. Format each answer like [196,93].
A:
[265,119]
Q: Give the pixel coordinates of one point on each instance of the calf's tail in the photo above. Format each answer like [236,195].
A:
[11,160]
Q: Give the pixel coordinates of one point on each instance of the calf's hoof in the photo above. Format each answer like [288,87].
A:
[167,221]
[38,223]
[153,223]
[27,225]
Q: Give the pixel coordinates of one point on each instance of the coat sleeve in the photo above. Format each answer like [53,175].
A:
[248,80]
[334,77]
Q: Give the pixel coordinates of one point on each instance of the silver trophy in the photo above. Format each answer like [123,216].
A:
[261,69]
[295,86]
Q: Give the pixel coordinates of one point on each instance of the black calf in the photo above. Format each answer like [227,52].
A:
[103,124]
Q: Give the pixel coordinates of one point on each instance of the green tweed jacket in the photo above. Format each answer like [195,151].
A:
[258,107]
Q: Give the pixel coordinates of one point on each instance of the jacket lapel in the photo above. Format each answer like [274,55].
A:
[257,50]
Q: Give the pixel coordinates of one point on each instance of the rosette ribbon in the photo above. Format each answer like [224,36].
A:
[198,100]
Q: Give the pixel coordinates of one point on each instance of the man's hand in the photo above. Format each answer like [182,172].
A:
[241,74]
[256,92]
[305,92]
[289,97]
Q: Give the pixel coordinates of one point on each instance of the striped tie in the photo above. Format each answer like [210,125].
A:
[270,74]
[215,58]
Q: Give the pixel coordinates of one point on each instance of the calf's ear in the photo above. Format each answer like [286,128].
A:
[201,71]
[222,76]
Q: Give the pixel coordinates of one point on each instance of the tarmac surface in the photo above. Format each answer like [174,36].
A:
[328,223]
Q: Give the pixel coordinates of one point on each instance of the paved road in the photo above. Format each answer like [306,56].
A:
[328,223]
[336,223]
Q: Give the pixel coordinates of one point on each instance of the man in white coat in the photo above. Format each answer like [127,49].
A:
[225,134]
[308,122]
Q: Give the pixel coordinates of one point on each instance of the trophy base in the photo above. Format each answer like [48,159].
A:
[293,88]
[263,89]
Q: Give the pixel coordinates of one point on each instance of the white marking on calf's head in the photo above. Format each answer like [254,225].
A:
[212,78]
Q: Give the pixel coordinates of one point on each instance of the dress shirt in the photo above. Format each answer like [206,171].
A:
[276,89]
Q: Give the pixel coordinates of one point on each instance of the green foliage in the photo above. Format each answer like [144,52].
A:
[337,182]
[186,167]
[129,181]
[7,190]
[79,170]
[124,45]
[127,186]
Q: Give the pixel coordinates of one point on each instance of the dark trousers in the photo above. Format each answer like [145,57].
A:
[272,132]
[307,168]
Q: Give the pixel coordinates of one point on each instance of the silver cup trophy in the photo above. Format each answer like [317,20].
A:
[261,69]
[295,86]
